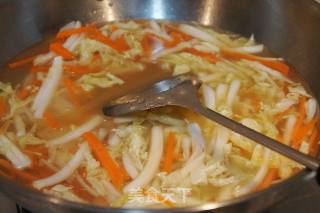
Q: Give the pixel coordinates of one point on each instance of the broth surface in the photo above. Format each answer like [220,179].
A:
[54,138]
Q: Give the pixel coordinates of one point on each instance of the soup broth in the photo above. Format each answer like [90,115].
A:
[54,137]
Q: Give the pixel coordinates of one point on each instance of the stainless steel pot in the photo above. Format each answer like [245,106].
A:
[290,28]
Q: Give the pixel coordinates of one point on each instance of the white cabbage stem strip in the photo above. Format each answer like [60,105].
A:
[221,93]
[209,97]
[113,194]
[88,126]
[153,163]
[129,166]
[284,104]
[232,93]
[311,109]
[200,34]
[113,139]
[158,31]
[117,34]
[88,188]
[69,44]
[262,68]
[168,51]
[196,135]
[70,25]
[123,120]
[191,165]
[258,177]
[291,120]
[220,140]
[65,172]
[19,125]
[13,153]
[186,147]
[250,49]
[48,87]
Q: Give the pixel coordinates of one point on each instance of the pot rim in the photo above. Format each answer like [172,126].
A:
[299,178]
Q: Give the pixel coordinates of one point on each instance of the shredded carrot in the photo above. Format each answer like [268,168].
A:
[274,64]
[22,62]
[302,132]
[300,119]
[173,29]
[121,44]
[3,106]
[59,49]
[169,155]
[176,39]
[99,36]
[69,32]
[208,56]
[313,141]
[23,93]
[105,159]
[51,120]
[19,173]
[44,69]
[158,197]
[267,181]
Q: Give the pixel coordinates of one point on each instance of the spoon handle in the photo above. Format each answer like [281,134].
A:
[306,160]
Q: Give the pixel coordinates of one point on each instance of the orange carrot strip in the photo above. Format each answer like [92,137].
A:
[69,32]
[51,120]
[59,49]
[168,160]
[44,69]
[21,62]
[97,35]
[3,106]
[302,132]
[271,176]
[173,29]
[23,93]
[21,174]
[274,64]
[176,39]
[300,119]
[313,141]
[105,159]
[208,56]
[159,198]
[121,44]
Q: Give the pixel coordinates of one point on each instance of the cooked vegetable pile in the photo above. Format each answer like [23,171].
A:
[54,140]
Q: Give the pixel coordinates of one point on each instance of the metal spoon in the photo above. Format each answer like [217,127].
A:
[182,91]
